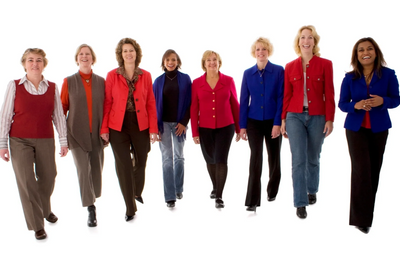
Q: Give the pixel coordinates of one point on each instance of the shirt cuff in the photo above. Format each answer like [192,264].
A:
[3,143]
[63,142]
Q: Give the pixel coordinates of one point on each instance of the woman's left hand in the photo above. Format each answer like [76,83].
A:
[180,129]
[237,137]
[328,128]
[153,137]
[276,132]
[374,101]
[63,151]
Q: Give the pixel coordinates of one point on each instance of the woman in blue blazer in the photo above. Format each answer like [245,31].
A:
[366,95]
[173,92]
[261,100]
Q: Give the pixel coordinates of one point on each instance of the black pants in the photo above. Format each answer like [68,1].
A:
[215,145]
[131,179]
[366,152]
[257,132]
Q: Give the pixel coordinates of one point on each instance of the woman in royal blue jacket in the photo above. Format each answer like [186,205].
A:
[366,95]
[173,92]
[261,101]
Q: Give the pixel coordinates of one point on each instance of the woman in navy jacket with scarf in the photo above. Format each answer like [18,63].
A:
[173,92]
[366,94]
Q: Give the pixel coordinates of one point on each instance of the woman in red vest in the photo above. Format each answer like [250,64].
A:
[32,104]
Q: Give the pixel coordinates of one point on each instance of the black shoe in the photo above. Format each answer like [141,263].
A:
[171,203]
[213,194]
[271,199]
[312,199]
[92,222]
[219,203]
[140,199]
[179,195]
[129,217]
[251,208]
[301,212]
[363,229]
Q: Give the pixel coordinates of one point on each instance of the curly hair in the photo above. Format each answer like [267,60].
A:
[118,51]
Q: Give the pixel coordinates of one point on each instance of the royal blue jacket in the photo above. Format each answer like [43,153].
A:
[261,98]
[185,96]
[355,90]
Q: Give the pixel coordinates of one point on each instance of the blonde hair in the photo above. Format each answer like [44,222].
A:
[78,50]
[316,40]
[265,43]
[206,55]
[33,51]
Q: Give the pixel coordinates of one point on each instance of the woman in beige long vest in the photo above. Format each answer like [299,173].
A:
[82,97]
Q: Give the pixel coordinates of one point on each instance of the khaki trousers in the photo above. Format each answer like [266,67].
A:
[34,166]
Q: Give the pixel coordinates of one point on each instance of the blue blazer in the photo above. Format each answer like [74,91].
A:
[355,90]
[185,97]
[261,98]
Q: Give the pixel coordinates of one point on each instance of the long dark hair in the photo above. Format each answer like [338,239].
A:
[378,63]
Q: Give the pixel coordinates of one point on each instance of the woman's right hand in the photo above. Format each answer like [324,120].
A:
[243,134]
[283,128]
[362,105]
[5,154]
[196,140]
[105,137]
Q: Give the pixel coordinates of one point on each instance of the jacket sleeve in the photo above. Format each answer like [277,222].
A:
[288,93]
[329,93]
[392,100]
[280,89]
[234,105]
[194,111]
[110,80]
[244,102]
[346,103]
[151,106]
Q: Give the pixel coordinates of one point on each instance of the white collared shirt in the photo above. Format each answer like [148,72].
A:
[7,110]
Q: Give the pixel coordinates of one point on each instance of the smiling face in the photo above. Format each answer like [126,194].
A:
[261,53]
[85,58]
[306,41]
[171,62]
[128,53]
[211,63]
[366,54]
[34,64]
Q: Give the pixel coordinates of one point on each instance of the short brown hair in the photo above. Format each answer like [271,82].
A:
[33,51]
[118,51]
[266,43]
[206,55]
[168,53]
[378,63]
[78,50]
[316,40]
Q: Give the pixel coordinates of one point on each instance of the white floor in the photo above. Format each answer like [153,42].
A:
[195,232]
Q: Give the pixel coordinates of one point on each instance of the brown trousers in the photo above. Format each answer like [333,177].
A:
[34,166]
[89,166]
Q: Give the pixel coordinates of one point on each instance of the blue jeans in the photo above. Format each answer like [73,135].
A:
[172,161]
[306,137]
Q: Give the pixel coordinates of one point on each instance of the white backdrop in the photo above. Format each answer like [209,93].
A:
[195,233]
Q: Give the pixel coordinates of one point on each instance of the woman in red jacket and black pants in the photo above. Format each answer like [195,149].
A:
[214,116]
[307,115]
[130,120]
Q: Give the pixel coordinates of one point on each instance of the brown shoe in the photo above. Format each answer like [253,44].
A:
[40,234]
[52,218]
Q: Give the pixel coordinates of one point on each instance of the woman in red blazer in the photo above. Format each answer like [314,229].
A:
[214,116]
[130,120]
[307,115]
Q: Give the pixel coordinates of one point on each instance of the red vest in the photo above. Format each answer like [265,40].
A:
[33,113]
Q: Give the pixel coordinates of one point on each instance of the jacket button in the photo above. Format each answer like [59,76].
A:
[137,99]
[262,107]
[138,111]
[294,78]
[309,101]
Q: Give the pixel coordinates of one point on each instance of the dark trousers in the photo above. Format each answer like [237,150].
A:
[257,132]
[215,145]
[131,178]
[366,152]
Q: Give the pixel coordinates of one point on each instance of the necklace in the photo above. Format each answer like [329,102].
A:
[261,73]
[171,78]
[87,80]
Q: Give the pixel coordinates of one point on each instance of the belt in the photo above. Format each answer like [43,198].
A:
[305,108]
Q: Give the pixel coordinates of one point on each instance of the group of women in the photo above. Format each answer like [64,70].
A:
[128,111]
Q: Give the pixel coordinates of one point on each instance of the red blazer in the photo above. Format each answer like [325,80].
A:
[214,108]
[319,84]
[116,96]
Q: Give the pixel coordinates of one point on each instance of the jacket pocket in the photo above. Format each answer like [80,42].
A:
[295,78]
